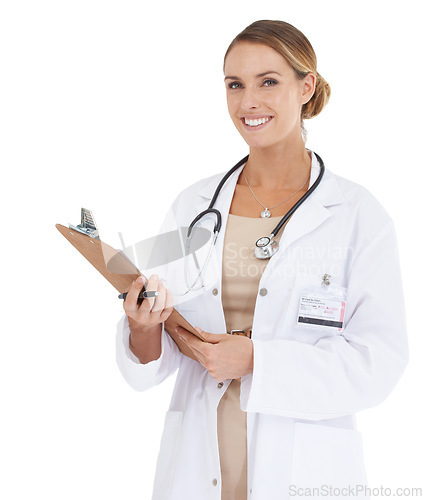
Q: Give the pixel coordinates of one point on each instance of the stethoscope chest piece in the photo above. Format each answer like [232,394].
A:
[265,248]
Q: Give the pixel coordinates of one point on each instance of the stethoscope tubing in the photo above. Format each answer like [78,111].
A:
[210,209]
[218,224]
[265,247]
[303,198]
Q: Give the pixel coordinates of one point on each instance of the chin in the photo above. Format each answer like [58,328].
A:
[262,143]
[267,140]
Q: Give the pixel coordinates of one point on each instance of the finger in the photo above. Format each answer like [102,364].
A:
[190,339]
[160,301]
[168,306]
[211,338]
[130,304]
[198,354]
[152,285]
[193,342]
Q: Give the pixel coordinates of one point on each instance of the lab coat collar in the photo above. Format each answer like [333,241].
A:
[327,194]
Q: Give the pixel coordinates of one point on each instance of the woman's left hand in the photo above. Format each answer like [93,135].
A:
[224,356]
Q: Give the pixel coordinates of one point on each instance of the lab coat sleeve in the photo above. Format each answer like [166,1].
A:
[144,376]
[340,373]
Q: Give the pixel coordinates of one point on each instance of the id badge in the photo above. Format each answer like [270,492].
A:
[322,307]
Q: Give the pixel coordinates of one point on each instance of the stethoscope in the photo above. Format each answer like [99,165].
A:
[265,246]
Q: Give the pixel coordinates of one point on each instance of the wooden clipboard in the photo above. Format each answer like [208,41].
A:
[120,272]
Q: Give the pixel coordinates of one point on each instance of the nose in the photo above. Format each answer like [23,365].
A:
[250,99]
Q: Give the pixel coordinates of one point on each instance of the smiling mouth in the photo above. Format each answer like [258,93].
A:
[256,122]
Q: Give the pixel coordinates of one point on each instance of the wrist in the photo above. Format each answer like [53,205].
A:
[138,330]
[145,342]
[251,365]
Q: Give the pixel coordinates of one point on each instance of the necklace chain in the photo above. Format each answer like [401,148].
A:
[266,211]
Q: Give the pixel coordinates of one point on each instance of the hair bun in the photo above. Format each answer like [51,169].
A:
[319,99]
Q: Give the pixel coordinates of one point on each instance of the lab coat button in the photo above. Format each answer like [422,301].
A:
[220,385]
[214,482]
[263,291]
[215,291]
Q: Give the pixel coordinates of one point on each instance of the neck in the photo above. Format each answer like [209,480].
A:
[279,167]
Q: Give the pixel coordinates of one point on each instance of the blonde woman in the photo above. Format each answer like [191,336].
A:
[296,342]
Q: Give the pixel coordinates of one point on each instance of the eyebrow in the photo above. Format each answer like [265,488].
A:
[257,76]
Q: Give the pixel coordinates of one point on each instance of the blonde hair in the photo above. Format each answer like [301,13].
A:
[296,49]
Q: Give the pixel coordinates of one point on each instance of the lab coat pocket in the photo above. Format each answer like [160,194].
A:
[301,281]
[316,311]
[166,461]
[325,457]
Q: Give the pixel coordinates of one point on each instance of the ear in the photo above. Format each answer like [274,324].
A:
[308,86]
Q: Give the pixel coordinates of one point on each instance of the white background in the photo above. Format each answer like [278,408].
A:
[117,106]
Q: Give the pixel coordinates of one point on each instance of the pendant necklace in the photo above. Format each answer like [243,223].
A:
[266,212]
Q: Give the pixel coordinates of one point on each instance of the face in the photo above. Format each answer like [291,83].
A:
[264,95]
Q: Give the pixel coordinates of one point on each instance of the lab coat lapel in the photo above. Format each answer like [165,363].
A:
[312,213]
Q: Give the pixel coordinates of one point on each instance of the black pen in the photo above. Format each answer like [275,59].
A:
[146,294]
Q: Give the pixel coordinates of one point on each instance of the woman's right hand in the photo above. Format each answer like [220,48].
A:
[152,311]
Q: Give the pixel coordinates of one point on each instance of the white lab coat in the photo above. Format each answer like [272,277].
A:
[307,384]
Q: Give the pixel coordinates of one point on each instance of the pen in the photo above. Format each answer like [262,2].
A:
[145,294]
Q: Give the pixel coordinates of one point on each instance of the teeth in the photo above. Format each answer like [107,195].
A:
[255,123]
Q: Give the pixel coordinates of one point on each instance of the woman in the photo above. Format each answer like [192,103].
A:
[268,413]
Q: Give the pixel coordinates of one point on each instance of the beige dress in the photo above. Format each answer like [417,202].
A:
[241,273]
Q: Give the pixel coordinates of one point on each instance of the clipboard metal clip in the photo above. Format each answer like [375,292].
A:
[88,225]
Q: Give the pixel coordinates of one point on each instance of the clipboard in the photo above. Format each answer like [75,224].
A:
[118,270]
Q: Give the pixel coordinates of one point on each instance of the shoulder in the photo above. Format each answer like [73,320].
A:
[201,189]
[198,186]
[360,201]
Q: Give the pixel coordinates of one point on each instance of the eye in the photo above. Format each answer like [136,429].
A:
[270,82]
[234,85]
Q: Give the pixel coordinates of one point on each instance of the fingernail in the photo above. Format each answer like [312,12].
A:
[176,329]
[198,329]
[139,279]
[154,277]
